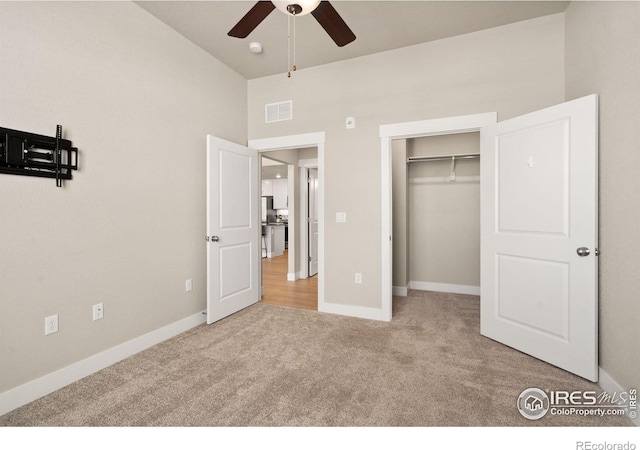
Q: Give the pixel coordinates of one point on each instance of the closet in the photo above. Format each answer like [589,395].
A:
[436,214]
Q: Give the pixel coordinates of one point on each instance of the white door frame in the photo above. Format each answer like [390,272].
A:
[303,141]
[406,130]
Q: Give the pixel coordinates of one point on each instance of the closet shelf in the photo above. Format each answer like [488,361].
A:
[453,158]
[459,157]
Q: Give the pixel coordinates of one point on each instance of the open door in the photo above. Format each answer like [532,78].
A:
[312,220]
[233,228]
[539,236]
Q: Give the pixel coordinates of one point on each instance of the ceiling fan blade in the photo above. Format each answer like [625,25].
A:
[252,19]
[328,17]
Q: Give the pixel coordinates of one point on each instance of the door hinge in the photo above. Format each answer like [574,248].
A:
[309,258]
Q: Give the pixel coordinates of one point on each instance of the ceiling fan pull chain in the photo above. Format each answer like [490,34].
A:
[294,41]
[291,48]
[288,46]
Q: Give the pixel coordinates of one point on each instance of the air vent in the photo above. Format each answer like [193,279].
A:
[275,112]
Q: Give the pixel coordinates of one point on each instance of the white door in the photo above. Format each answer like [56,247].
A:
[539,191]
[233,228]
[312,220]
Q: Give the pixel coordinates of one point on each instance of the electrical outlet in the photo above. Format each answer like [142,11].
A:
[188,285]
[51,324]
[98,311]
[358,278]
[341,217]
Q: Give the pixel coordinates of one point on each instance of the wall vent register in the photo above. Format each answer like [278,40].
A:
[276,112]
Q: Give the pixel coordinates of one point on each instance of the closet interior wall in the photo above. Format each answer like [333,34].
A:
[436,215]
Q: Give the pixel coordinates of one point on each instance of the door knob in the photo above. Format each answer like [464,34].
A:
[583,251]
[216,239]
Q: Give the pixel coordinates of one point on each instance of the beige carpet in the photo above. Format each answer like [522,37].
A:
[275,366]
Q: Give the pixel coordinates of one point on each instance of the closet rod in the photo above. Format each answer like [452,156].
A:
[443,157]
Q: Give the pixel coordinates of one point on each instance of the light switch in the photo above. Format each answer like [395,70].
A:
[341,217]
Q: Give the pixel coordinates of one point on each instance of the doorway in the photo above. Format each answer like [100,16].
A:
[436,214]
[389,133]
[286,279]
[287,197]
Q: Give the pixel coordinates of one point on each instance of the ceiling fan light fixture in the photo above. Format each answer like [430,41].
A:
[324,13]
[303,6]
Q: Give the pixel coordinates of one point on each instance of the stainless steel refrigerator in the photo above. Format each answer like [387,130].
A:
[268,213]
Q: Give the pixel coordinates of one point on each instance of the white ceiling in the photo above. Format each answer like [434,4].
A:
[378,26]
[270,162]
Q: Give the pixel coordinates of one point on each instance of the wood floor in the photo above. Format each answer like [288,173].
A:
[278,291]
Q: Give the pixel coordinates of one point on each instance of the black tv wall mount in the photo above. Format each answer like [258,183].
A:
[30,154]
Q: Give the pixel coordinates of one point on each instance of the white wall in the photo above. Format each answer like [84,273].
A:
[603,57]
[137,99]
[512,69]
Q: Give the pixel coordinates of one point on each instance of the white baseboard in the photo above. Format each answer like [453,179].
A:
[443,287]
[361,312]
[610,386]
[33,390]
[292,276]
[400,291]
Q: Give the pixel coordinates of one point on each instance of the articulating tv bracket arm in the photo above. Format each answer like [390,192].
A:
[35,155]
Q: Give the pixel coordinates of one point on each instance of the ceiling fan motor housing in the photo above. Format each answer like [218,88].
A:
[294,9]
[298,8]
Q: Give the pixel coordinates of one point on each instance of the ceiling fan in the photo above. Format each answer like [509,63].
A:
[323,11]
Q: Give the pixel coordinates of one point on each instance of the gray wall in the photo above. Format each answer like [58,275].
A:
[512,69]
[603,57]
[138,100]
[444,226]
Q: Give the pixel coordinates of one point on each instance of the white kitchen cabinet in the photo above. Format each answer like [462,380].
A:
[280,193]
[267,187]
